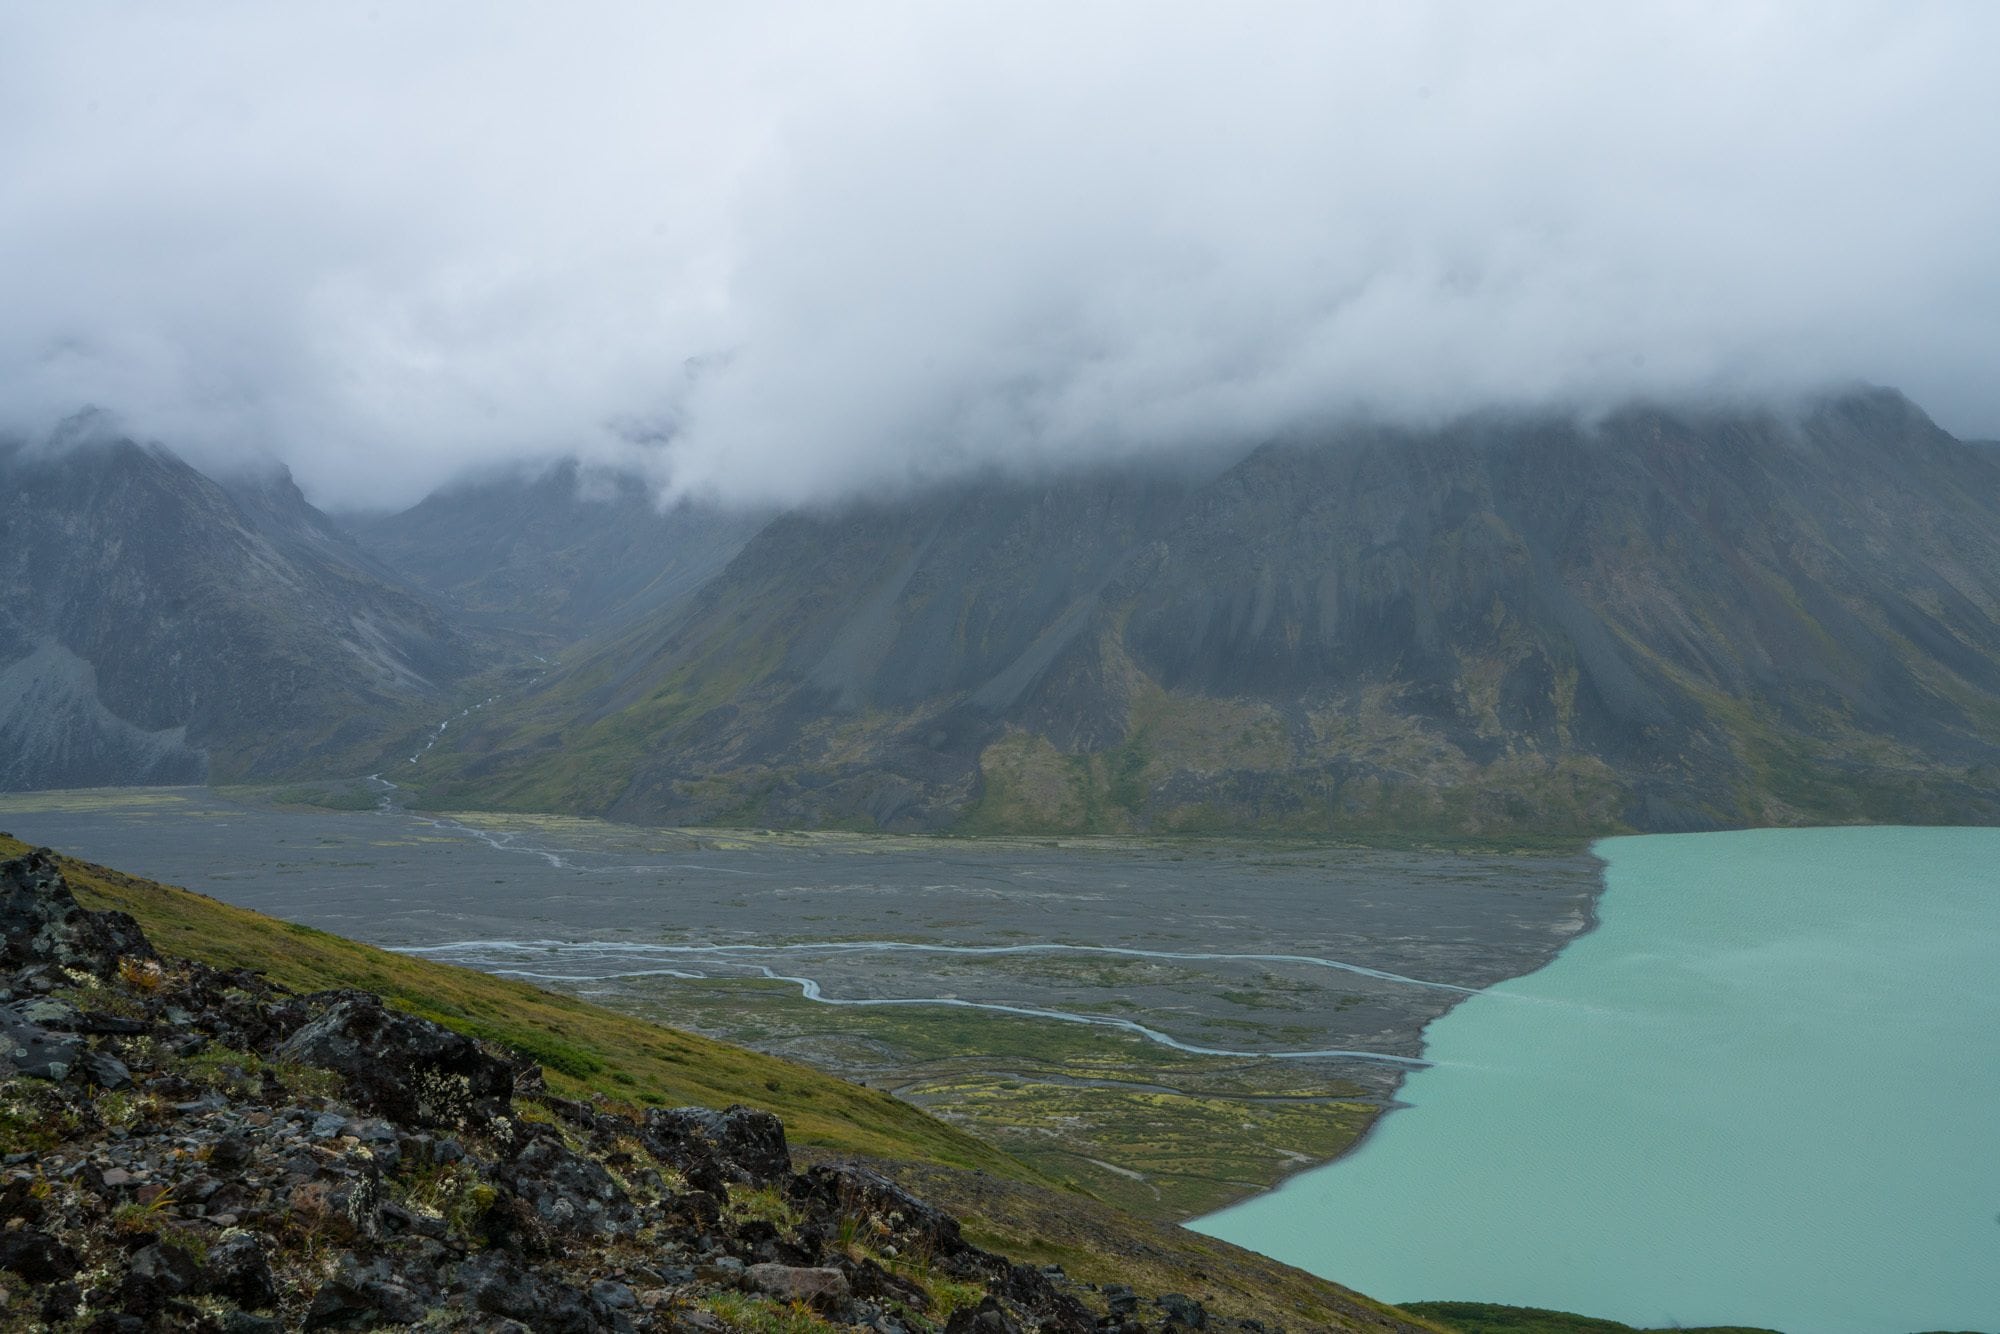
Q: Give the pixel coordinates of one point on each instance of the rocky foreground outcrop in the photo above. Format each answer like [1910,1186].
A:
[188,1148]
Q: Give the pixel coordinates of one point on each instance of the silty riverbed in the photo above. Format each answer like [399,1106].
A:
[1089,1001]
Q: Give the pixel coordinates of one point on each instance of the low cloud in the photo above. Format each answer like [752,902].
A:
[782,253]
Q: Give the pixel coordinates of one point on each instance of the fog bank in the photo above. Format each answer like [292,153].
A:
[781,253]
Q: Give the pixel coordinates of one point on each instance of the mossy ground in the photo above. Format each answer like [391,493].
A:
[1164,1133]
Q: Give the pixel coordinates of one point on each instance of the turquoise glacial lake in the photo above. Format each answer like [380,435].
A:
[1764,1091]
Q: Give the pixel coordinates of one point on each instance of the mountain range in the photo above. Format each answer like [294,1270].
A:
[1662,618]
[157,626]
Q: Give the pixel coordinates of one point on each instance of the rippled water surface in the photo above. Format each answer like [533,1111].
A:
[1765,1091]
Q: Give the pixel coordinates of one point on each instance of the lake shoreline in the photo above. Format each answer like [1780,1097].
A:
[1673,1105]
[1393,1103]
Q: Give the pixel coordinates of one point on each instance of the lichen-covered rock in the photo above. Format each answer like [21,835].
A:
[850,1191]
[29,1049]
[238,1268]
[42,923]
[569,1193]
[406,1068]
[740,1144]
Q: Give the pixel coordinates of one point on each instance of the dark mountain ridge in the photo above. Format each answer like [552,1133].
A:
[548,558]
[1665,619]
[157,626]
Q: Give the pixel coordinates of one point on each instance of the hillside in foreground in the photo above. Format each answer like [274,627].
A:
[571,1162]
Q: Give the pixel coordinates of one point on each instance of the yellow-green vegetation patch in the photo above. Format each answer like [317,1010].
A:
[1158,1152]
[79,801]
[761,1315]
[1029,784]
[329,795]
[1165,1133]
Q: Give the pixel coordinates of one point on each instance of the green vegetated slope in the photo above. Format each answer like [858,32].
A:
[1660,620]
[586,1050]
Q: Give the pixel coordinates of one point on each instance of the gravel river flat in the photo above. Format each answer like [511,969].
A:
[1110,1007]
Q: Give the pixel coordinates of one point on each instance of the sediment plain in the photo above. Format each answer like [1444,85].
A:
[1172,1024]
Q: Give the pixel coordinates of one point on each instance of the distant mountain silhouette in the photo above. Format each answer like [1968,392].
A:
[548,558]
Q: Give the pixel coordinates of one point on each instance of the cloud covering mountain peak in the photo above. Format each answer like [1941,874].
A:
[774,253]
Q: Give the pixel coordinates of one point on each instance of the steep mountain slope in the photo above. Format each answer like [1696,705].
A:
[547,559]
[156,626]
[1661,620]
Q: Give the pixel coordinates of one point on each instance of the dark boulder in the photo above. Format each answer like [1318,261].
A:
[158,1274]
[848,1191]
[105,1070]
[569,1193]
[243,1322]
[1055,1312]
[238,1269]
[989,1317]
[36,1256]
[495,1283]
[364,1296]
[42,923]
[231,1151]
[739,1144]
[405,1068]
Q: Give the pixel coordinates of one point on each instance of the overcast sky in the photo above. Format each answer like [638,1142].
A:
[772,253]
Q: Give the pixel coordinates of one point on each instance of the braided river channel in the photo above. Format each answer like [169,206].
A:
[1765,1091]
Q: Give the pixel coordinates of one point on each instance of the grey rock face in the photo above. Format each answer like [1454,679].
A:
[548,559]
[157,626]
